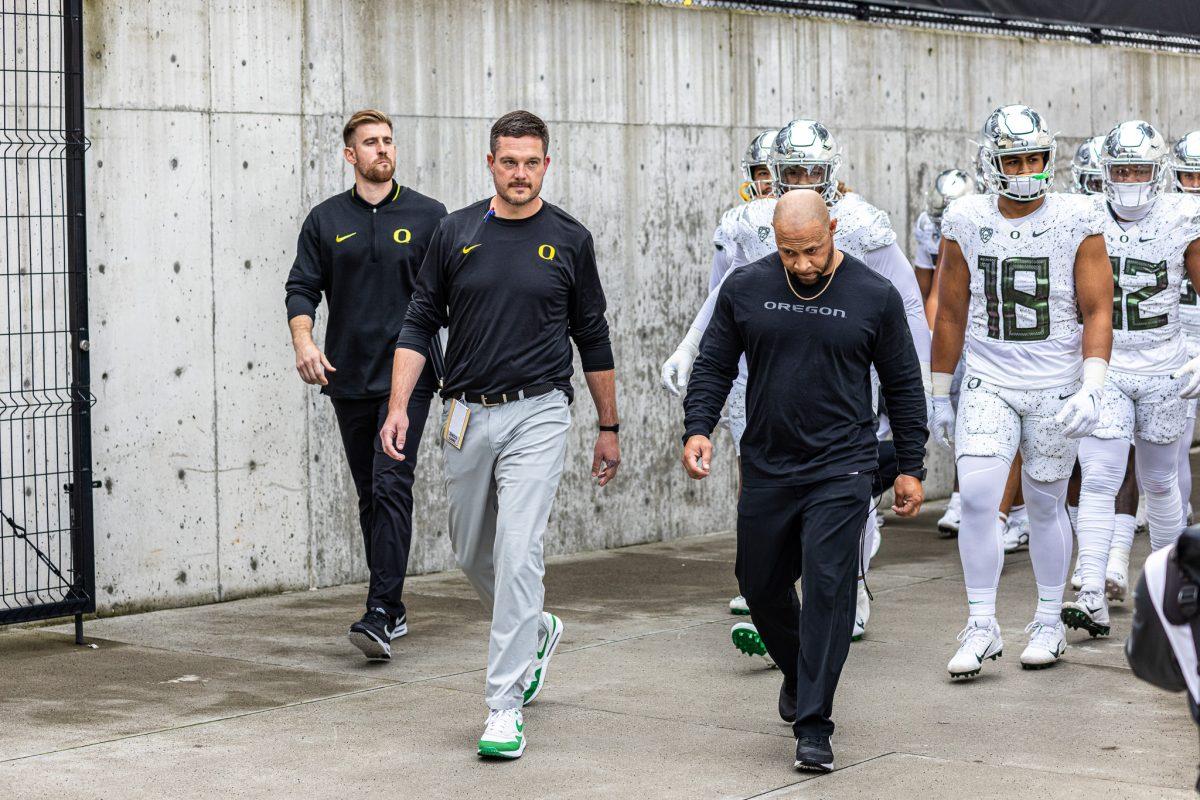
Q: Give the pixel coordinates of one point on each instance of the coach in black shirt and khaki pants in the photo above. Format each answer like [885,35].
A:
[361,249]
[811,321]
[515,280]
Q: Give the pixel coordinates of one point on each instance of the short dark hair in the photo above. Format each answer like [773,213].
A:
[364,117]
[518,124]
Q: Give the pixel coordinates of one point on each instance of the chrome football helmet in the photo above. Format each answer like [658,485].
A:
[806,156]
[980,184]
[1085,167]
[756,155]
[1133,160]
[950,184]
[1013,130]
[1185,157]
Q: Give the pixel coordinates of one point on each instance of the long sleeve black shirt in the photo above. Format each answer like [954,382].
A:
[808,397]
[364,259]
[514,293]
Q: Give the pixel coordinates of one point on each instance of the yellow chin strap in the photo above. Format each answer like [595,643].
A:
[745,192]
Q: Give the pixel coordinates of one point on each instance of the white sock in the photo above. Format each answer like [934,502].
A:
[980,545]
[1073,515]
[1050,601]
[1123,531]
[1049,543]
[1018,514]
[981,606]
[1156,466]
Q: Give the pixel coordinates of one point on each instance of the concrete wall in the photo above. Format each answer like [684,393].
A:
[215,126]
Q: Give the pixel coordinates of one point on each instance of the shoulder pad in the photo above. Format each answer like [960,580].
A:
[861,223]
[727,227]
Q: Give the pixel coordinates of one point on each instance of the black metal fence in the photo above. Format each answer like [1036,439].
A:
[1160,25]
[46,557]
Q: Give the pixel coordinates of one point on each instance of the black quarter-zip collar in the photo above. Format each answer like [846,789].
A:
[388,198]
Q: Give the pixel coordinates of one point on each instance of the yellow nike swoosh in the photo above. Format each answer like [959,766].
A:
[340,239]
[469,249]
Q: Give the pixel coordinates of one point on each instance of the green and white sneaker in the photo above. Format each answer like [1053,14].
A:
[504,735]
[541,662]
[738,606]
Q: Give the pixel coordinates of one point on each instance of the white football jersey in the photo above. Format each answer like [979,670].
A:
[1023,329]
[725,227]
[1148,274]
[861,226]
[1189,309]
[751,233]
[928,235]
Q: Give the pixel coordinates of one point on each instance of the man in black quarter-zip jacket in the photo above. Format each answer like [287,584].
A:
[362,248]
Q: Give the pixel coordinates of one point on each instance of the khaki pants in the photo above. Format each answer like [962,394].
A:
[501,486]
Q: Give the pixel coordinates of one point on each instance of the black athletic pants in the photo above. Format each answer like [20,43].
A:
[384,487]
[813,531]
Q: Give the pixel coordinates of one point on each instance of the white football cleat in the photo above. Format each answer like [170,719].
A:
[876,542]
[1143,524]
[879,519]
[862,613]
[1089,612]
[738,606]
[979,643]
[1016,535]
[948,524]
[1047,643]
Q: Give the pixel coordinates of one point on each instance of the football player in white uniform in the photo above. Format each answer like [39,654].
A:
[1085,167]
[950,184]
[806,156]
[1020,267]
[1185,178]
[1147,234]
[1086,178]
[735,233]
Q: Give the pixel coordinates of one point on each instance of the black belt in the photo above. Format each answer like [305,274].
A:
[537,390]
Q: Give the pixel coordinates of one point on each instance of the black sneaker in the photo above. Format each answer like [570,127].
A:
[787,703]
[373,635]
[813,754]
[399,626]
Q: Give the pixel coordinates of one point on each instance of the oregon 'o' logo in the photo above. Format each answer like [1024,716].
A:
[402,236]
[546,252]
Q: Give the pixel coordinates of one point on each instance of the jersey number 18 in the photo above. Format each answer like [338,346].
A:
[1003,297]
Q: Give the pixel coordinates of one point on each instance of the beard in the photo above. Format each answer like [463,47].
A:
[809,281]
[517,200]
[379,172]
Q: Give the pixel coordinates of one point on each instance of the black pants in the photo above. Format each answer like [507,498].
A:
[384,487]
[785,532]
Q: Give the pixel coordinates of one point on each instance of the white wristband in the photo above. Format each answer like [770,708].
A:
[1094,370]
[940,381]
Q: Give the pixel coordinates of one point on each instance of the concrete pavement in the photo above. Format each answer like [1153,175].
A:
[265,697]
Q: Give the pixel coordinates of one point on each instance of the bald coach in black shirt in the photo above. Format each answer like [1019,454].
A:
[811,321]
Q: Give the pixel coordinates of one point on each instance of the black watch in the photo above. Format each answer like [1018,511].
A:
[610,428]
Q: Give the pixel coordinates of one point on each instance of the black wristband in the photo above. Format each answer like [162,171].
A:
[610,428]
